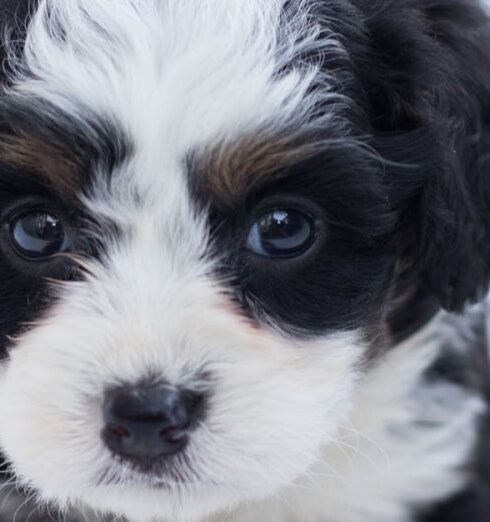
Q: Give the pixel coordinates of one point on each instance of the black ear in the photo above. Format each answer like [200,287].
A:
[453,257]
[432,92]
[454,219]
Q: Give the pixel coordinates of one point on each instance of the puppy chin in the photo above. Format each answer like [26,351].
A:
[145,505]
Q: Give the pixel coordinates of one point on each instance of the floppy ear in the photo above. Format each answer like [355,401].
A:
[432,91]
[454,218]
[453,256]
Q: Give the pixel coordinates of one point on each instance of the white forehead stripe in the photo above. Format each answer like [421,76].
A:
[174,72]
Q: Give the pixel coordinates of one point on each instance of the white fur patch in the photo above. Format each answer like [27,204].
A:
[176,75]
[404,444]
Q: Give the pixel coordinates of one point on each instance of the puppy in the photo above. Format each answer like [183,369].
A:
[239,241]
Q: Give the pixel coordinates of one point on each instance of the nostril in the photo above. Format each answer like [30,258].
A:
[118,431]
[173,434]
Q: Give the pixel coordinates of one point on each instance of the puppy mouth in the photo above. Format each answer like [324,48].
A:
[173,472]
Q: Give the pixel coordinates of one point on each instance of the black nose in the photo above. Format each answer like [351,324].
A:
[146,423]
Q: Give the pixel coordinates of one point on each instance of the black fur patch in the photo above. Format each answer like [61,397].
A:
[340,283]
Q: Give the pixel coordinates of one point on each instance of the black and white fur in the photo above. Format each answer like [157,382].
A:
[347,385]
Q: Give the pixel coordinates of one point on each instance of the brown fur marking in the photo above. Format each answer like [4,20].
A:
[231,171]
[42,159]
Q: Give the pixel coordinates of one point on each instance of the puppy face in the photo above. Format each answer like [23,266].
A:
[189,203]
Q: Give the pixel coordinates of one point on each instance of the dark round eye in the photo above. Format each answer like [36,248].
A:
[37,234]
[281,233]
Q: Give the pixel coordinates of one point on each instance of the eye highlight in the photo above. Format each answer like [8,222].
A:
[281,233]
[37,234]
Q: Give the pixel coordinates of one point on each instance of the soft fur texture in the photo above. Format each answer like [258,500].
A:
[345,383]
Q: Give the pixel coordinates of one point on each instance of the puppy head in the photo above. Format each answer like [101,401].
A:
[201,230]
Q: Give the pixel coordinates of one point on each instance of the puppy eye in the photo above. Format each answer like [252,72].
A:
[281,233]
[37,234]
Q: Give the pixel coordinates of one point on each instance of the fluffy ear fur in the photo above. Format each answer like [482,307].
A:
[433,90]
[453,257]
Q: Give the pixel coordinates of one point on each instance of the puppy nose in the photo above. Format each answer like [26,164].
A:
[146,423]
